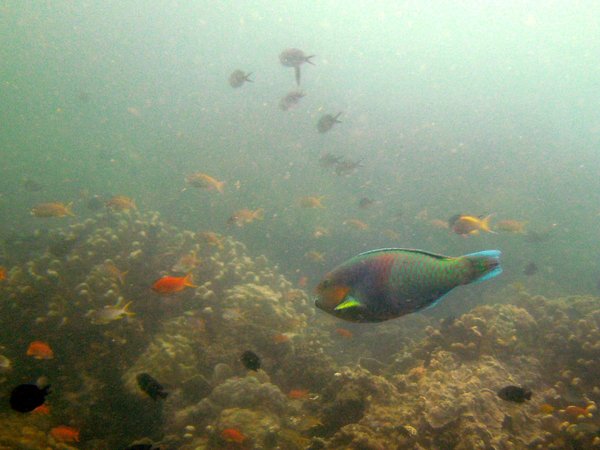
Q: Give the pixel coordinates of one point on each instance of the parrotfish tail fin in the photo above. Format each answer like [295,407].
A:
[485,223]
[247,78]
[307,59]
[188,281]
[297,73]
[485,265]
[220,185]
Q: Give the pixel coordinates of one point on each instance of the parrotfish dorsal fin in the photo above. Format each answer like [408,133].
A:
[406,250]
[350,302]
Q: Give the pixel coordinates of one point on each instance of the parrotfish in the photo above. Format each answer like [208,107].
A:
[383,284]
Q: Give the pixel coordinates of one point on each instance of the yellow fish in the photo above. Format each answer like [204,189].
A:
[204,181]
[465,224]
[52,209]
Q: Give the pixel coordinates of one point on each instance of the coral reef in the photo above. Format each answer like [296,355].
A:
[412,383]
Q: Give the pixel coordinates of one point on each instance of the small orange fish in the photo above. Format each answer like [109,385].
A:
[204,181]
[303,281]
[212,238]
[43,410]
[233,435]
[169,285]
[320,232]
[281,338]
[312,202]
[113,272]
[52,209]
[2,273]
[576,411]
[245,216]
[298,394]
[357,224]
[40,350]
[344,333]
[121,203]
[63,433]
[546,408]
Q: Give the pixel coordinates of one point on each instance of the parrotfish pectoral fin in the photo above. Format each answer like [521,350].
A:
[350,302]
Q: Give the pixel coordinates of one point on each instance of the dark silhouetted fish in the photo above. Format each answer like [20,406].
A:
[514,394]
[26,397]
[329,160]
[150,386]
[290,100]
[346,167]
[365,202]
[327,122]
[238,78]
[250,360]
[294,57]
[530,269]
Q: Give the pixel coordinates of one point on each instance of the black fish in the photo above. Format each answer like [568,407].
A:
[26,397]
[150,386]
[365,202]
[328,160]
[346,166]
[327,122]
[238,78]
[530,269]
[294,57]
[250,360]
[290,100]
[514,394]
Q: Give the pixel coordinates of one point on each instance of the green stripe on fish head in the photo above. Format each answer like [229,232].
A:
[341,291]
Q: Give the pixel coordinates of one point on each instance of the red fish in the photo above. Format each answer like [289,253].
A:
[298,394]
[343,332]
[169,285]
[42,409]
[63,433]
[40,350]
[233,435]
[281,338]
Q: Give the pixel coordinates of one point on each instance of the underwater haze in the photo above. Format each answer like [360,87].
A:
[162,214]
